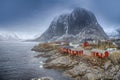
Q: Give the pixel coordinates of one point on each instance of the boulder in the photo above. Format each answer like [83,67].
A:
[43,78]
[86,72]
[107,65]
[117,77]
[61,62]
[90,76]
[77,70]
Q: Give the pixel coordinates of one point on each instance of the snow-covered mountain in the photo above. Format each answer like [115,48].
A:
[77,25]
[118,30]
[114,34]
[5,36]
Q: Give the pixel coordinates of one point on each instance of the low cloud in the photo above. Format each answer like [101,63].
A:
[33,17]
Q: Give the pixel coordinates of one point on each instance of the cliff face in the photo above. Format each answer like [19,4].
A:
[79,24]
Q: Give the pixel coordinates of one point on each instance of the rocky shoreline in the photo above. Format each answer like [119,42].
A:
[81,67]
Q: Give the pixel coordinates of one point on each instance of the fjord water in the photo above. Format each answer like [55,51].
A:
[17,62]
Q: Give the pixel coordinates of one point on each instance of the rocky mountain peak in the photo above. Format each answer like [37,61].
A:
[83,15]
[77,25]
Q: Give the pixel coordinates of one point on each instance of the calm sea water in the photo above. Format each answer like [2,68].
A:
[17,62]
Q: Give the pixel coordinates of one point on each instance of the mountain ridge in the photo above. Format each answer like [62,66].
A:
[77,25]
[4,36]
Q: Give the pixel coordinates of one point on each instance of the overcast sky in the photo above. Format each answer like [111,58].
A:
[32,17]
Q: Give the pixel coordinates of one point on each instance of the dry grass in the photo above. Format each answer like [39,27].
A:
[106,44]
[44,47]
[115,57]
[88,48]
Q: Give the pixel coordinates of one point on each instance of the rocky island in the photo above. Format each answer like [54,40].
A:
[80,67]
[79,31]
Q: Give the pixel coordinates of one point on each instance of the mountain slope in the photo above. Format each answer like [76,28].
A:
[114,34]
[79,24]
[8,37]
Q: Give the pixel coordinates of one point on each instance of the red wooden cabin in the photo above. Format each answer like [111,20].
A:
[86,44]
